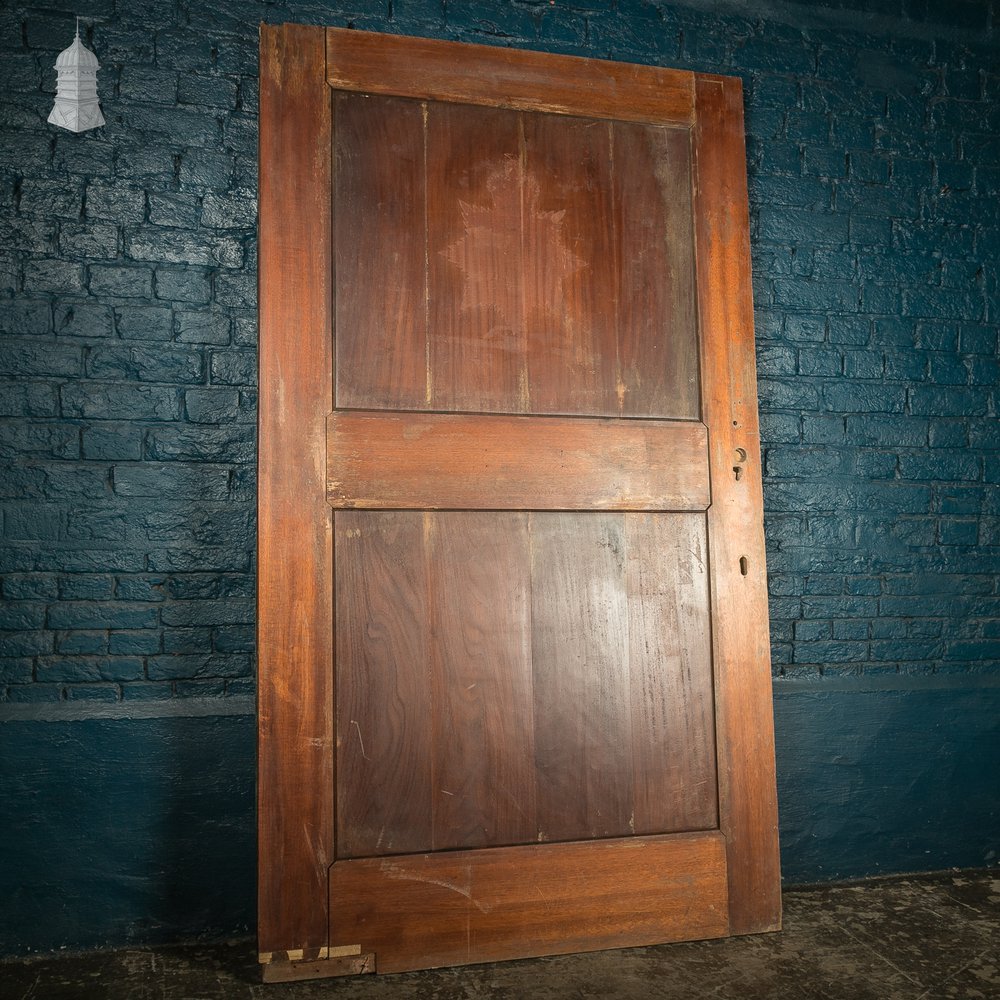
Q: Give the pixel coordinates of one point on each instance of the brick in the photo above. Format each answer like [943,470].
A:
[86,587]
[798,226]
[949,434]
[819,361]
[804,463]
[25,643]
[28,587]
[146,364]
[110,281]
[88,240]
[207,91]
[168,246]
[792,393]
[203,168]
[816,296]
[229,211]
[117,443]
[147,84]
[822,429]
[81,319]
[101,615]
[202,328]
[46,358]
[189,641]
[944,401]
[863,397]
[234,368]
[203,444]
[25,317]
[173,209]
[51,198]
[82,643]
[187,285]
[16,669]
[805,328]
[144,323]
[955,532]
[135,643]
[941,465]
[211,405]
[21,616]
[172,481]
[198,666]
[57,276]
[96,524]
[234,639]
[120,402]
[22,440]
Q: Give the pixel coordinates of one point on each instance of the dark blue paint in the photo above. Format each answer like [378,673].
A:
[128,407]
[126,830]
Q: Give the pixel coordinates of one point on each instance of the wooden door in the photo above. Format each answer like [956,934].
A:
[514,673]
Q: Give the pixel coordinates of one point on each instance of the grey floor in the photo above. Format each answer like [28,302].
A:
[923,937]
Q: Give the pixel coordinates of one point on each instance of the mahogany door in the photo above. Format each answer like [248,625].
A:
[514,679]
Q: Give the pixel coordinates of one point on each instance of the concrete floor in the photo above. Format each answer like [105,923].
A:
[915,938]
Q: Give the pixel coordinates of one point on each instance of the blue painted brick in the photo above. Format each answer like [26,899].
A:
[82,642]
[188,285]
[21,616]
[207,482]
[86,587]
[92,692]
[946,401]
[188,640]
[146,364]
[120,402]
[135,642]
[169,208]
[104,615]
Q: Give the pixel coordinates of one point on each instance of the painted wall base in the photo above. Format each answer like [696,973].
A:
[141,830]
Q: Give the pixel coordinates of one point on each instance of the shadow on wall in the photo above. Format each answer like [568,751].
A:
[126,830]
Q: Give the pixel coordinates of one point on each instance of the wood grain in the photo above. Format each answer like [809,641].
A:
[571,268]
[379,192]
[657,320]
[583,711]
[479,573]
[295,543]
[494,76]
[670,673]
[419,912]
[385,749]
[747,796]
[474,243]
[440,461]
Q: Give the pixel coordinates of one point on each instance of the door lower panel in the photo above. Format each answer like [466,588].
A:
[459,907]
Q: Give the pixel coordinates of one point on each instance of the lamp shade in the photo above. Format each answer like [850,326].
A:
[76,107]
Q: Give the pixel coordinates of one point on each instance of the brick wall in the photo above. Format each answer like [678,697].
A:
[128,330]
[127,275]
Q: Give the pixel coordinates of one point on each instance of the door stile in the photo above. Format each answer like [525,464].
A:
[295,557]
[741,647]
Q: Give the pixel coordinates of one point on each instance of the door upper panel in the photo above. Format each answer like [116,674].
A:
[547,265]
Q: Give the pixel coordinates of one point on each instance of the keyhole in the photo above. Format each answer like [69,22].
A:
[744,565]
[741,457]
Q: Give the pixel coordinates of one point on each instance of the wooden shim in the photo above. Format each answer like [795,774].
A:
[499,77]
[293,972]
[437,461]
[741,652]
[459,907]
